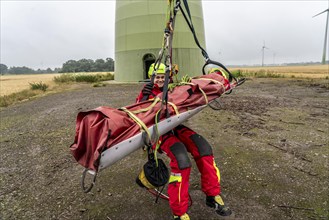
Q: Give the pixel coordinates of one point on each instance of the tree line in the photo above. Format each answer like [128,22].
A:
[71,66]
[88,65]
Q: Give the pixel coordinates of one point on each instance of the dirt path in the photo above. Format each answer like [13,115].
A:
[270,141]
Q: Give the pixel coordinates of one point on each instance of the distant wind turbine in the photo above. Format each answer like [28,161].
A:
[263,48]
[325,36]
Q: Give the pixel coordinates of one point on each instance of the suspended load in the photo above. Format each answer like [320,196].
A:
[105,135]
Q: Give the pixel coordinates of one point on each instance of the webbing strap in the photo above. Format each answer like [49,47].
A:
[190,25]
[174,107]
[188,19]
[201,90]
[157,146]
[156,100]
[138,121]
[203,93]
[173,7]
[192,84]
[212,80]
[156,130]
[168,60]
[141,124]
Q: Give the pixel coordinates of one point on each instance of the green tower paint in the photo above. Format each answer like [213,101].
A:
[139,26]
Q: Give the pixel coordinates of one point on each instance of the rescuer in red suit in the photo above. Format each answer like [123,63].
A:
[176,144]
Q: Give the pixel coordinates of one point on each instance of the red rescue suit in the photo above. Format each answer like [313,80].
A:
[176,144]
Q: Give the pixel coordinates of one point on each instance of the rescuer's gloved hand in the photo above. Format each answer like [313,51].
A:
[147,90]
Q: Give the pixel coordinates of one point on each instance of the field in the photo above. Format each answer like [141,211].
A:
[315,71]
[16,83]
[270,141]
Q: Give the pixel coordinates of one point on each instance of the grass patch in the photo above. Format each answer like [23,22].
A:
[7,100]
[38,86]
[106,76]
[64,78]
[86,78]
[315,83]
[83,77]
[257,74]
[99,84]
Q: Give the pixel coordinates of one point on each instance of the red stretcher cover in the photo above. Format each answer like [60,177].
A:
[103,127]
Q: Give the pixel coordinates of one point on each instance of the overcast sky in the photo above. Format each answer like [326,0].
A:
[41,34]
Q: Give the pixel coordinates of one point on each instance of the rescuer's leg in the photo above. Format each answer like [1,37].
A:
[210,175]
[180,165]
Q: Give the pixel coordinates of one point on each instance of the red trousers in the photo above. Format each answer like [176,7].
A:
[176,144]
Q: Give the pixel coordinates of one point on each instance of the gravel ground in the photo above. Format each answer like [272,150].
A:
[270,141]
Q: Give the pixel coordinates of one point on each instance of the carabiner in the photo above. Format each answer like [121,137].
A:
[91,172]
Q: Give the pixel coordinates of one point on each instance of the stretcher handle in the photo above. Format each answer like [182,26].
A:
[240,81]
[209,61]
[91,172]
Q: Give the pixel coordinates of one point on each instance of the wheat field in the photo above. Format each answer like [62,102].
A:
[310,71]
[16,83]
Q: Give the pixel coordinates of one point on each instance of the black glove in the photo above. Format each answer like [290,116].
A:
[147,90]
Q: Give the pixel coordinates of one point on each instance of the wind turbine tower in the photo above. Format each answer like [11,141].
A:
[325,36]
[139,29]
[263,52]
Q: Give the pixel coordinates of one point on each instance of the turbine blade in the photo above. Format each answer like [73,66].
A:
[321,13]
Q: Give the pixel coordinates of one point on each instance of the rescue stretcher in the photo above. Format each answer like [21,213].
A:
[106,135]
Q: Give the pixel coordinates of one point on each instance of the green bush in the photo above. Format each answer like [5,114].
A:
[237,73]
[64,78]
[106,77]
[39,86]
[87,78]
[83,77]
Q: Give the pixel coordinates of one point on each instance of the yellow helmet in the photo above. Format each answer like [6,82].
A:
[161,69]
[213,70]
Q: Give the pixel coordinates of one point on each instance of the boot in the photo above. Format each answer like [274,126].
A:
[182,217]
[217,203]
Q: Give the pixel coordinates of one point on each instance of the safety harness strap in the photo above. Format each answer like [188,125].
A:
[190,24]
[203,51]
